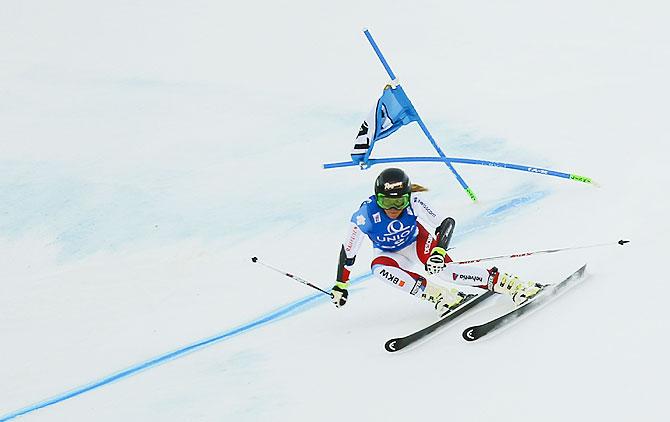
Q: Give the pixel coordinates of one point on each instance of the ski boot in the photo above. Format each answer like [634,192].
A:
[520,291]
[445,299]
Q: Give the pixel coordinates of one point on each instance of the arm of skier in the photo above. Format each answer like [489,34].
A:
[444,228]
[346,260]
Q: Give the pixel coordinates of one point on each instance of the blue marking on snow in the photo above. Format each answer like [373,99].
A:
[81,213]
[276,315]
[291,309]
[515,202]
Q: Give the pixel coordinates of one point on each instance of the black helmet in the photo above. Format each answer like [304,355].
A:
[392,182]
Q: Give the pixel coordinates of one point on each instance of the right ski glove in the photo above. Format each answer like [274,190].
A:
[435,262]
[339,294]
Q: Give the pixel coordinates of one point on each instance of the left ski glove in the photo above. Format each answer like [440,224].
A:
[435,262]
[340,294]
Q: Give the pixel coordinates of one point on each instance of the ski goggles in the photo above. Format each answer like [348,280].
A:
[397,202]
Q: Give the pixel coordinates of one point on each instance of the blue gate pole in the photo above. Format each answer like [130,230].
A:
[465,186]
[423,127]
[379,54]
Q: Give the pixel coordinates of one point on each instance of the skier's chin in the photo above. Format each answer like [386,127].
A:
[393,213]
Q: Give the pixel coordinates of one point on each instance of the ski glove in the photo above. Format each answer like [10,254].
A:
[435,262]
[339,294]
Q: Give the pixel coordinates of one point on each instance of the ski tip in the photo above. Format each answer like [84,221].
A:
[469,335]
[254,259]
[623,242]
[390,345]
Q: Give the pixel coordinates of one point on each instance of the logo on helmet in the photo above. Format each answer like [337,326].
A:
[391,186]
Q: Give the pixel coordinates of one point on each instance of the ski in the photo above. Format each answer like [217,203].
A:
[549,292]
[469,302]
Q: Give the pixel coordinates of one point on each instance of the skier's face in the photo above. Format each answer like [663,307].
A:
[393,205]
[393,213]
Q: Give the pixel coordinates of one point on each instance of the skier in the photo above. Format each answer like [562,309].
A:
[389,219]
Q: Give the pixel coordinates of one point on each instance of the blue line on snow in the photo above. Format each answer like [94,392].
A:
[273,316]
[515,202]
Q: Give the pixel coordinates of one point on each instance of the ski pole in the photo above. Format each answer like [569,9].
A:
[519,255]
[295,277]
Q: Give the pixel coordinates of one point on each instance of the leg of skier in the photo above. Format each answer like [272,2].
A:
[445,298]
[466,275]
[520,291]
[392,268]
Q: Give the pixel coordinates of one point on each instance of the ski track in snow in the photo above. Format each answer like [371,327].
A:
[489,218]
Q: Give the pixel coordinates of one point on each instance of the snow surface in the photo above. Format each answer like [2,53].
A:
[149,149]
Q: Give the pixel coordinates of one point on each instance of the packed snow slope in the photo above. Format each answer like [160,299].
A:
[149,149]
